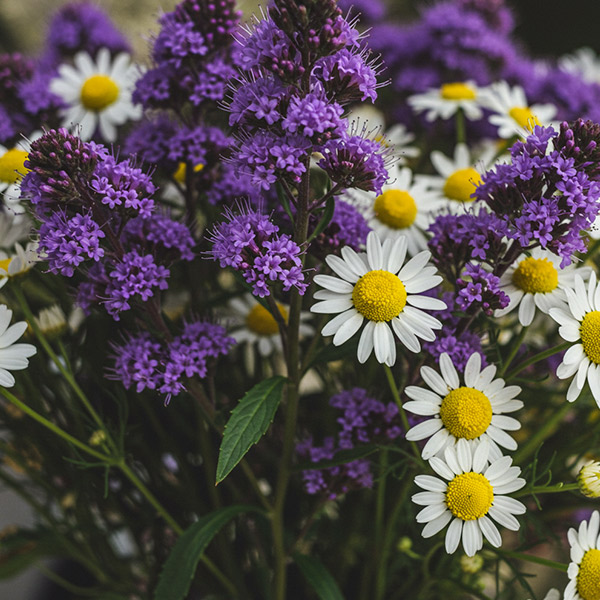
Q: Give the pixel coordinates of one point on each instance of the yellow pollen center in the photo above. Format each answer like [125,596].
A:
[588,578]
[524,117]
[396,208]
[98,92]
[536,276]
[11,165]
[181,172]
[590,335]
[379,296]
[466,413]
[260,321]
[469,496]
[457,91]
[4,264]
[461,184]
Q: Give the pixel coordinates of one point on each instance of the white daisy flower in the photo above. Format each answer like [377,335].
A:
[13,229]
[579,322]
[12,170]
[374,286]
[12,356]
[471,412]
[98,94]
[537,281]
[403,208]
[457,177]
[51,320]
[583,570]
[259,326]
[17,263]
[472,494]
[584,62]
[446,101]
[511,112]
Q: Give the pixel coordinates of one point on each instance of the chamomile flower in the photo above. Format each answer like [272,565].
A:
[457,176]
[537,281]
[403,208]
[472,493]
[97,93]
[13,357]
[471,412]
[444,102]
[579,322]
[258,326]
[510,111]
[13,229]
[588,479]
[12,170]
[584,62]
[376,287]
[583,570]
[18,262]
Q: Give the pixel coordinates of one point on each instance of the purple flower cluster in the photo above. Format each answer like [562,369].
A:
[80,26]
[479,289]
[550,191]
[249,242]
[363,420]
[305,62]
[192,56]
[147,363]
[97,217]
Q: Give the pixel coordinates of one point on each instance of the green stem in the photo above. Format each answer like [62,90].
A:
[55,428]
[516,344]
[548,489]
[379,517]
[534,559]
[545,431]
[594,247]
[59,365]
[403,417]
[461,131]
[538,357]
[65,584]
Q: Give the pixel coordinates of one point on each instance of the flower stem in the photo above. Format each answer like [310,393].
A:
[547,489]
[461,132]
[516,345]
[538,357]
[403,417]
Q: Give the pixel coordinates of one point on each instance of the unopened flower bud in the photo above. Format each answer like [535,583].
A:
[589,479]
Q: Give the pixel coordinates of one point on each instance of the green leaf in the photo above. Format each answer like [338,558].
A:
[319,577]
[325,219]
[179,569]
[249,421]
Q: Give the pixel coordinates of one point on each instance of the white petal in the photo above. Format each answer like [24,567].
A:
[464,456]
[430,483]
[382,341]
[510,505]
[332,326]
[331,306]
[340,267]
[498,468]
[441,468]
[334,284]
[414,265]
[12,334]
[353,261]
[448,371]
[423,430]
[348,328]
[405,335]
[472,369]
[490,531]
[506,423]
[526,310]
[453,535]
[472,538]
[434,380]
[436,443]
[365,344]
[431,512]
[436,525]
[374,254]
[425,409]
[505,519]
[427,498]
[422,395]
[397,255]
[480,456]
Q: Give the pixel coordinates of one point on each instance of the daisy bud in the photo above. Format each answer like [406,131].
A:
[471,564]
[589,479]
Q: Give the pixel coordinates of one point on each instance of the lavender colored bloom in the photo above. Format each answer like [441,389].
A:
[357,162]
[150,139]
[481,290]
[80,26]
[137,362]
[255,100]
[249,243]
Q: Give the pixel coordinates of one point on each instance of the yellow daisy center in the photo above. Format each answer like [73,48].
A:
[457,91]
[524,117]
[11,165]
[98,92]
[536,276]
[590,335]
[260,321]
[466,413]
[461,184]
[588,578]
[181,171]
[379,296]
[4,264]
[469,496]
[396,208]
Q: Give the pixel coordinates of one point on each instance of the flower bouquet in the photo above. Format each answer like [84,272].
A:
[304,306]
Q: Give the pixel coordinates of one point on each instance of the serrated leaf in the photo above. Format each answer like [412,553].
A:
[179,569]
[249,421]
[319,577]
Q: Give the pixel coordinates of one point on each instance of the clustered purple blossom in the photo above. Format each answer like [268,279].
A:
[305,63]
[348,227]
[550,191]
[363,420]
[97,217]
[479,289]
[147,363]
[249,242]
